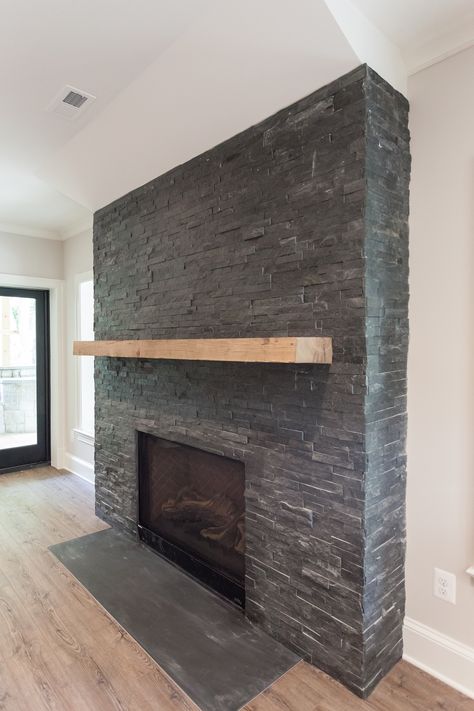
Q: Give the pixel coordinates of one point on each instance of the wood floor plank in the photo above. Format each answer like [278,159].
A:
[60,650]
[56,642]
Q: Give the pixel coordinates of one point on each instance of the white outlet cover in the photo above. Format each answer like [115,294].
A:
[444,585]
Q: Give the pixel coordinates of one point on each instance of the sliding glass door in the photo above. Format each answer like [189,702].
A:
[24,377]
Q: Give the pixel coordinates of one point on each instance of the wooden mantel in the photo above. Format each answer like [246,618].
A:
[293,349]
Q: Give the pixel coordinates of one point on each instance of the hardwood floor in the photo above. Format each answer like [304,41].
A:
[60,650]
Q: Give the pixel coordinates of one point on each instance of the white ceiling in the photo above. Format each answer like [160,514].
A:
[425,30]
[31,206]
[172,78]
[232,68]
[99,46]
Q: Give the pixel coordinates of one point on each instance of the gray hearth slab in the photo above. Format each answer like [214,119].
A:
[210,649]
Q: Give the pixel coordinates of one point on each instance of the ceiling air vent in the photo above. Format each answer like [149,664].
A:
[70,103]
[75,99]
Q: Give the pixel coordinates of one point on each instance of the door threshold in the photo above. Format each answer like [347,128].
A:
[24,467]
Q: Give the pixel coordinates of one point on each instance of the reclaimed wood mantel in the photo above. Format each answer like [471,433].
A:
[293,349]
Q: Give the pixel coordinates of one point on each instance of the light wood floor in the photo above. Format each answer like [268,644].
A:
[60,650]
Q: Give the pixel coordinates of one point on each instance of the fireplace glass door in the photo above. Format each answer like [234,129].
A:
[191,509]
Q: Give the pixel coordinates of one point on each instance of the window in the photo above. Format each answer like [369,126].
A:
[85,298]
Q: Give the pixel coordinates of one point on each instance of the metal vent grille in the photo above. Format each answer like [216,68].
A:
[70,103]
[75,99]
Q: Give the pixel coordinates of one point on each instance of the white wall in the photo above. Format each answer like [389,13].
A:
[370,44]
[31,262]
[31,256]
[37,262]
[440,503]
[79,447]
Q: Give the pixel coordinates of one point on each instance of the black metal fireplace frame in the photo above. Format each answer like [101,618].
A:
[198,569]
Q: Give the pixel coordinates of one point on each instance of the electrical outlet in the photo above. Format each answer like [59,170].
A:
[444,585]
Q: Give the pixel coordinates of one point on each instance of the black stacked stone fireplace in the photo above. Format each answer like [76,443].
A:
[296,227]
[192,510]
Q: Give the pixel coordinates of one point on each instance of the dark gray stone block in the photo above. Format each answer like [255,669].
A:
[297,226]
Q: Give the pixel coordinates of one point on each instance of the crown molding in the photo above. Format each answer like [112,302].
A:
[441,48]
[58,235]
[27,231]
[77,227]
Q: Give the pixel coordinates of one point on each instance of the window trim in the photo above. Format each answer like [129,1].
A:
[78,280]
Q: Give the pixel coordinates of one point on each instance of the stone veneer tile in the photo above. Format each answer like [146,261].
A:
[297,226]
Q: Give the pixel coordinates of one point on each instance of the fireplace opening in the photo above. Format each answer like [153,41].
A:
[192,511]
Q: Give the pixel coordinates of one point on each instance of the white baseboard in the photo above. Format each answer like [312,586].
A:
[441,656]
[79,467]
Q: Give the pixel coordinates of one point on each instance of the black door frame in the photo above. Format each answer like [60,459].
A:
[39,453]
